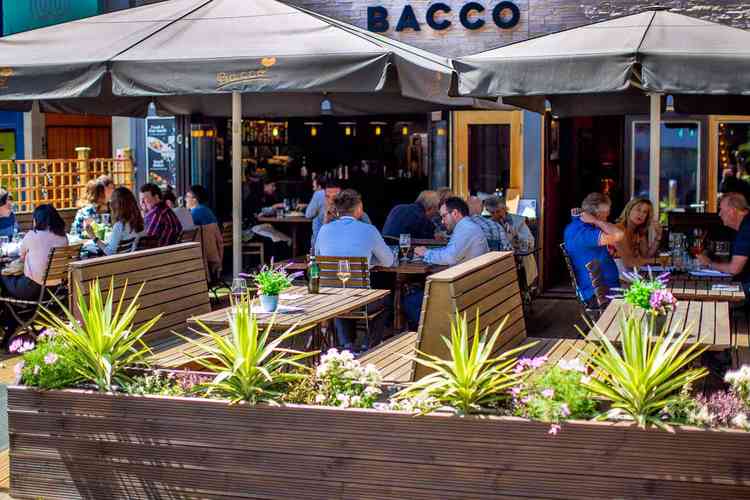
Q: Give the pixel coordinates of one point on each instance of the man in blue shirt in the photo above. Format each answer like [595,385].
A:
[587,237]
[733,210]
[414,218]
[347,236]
[196,199]
[467,239]
[333,188]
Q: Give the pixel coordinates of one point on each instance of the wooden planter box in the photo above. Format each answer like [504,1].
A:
[76,444]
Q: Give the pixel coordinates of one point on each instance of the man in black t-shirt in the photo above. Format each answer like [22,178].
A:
[733,210]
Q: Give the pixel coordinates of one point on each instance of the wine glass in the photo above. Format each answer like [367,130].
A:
[239,289]
[345,272]
[404,241]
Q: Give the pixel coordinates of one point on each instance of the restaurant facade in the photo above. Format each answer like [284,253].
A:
[552,163]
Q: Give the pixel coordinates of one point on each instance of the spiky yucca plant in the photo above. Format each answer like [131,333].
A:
[471,378]
[649,373]
[249,366]
[104,342]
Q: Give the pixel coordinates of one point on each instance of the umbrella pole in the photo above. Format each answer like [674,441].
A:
[236,183]
[655,152]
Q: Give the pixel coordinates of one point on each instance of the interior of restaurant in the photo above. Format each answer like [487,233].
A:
[388,159]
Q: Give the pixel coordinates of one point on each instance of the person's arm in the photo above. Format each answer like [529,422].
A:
[652,247]
[381,251]
[525,235]
[316,205]
[734,266]
[110,248]
[610,233]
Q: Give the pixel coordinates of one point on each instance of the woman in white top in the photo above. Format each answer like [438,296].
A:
[127,218]
[48,233]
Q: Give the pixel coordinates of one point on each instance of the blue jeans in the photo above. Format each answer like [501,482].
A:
[412,305]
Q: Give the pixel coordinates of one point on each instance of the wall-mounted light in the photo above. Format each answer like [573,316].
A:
[404,130]
[313,128]
[275,132]
[210,133]
[378,127]
[313,131]
[349,128]
[197,133]
[441,131]
[378,130]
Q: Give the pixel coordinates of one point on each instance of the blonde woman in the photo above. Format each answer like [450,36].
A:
[637,247]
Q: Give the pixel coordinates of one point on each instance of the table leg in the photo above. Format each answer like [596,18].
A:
[398,323]
[295,244]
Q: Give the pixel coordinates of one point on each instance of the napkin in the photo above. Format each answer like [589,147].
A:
[282,309]
[709,273]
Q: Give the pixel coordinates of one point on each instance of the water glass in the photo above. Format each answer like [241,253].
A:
[239,290]
[279,213]
[4,240]
[404,241]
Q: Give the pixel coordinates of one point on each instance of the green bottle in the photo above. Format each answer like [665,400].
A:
[313,276]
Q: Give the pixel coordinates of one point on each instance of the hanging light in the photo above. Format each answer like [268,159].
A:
[314,131]
[313,128]
[349,128]
[378,130]
[404,130]
[378,127]
[275,132]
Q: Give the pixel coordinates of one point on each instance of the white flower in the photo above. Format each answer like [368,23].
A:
[703,417]
[574,364]
[371,391]
[741,421]
[332,352]
[320,399]
[355,401]
[343,400]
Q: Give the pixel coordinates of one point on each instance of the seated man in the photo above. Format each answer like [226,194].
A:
[586,238]
[733,210]
[515,225]
[413,218]
[497,238]
[333,188]
[158,218]
[348,236]
[466,242]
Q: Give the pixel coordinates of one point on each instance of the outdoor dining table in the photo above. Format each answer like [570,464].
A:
[404,271]
[686,287]
[303,309]
[708,321]
[294,222]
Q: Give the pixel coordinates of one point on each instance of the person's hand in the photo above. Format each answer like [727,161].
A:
[587,218]
[89,230]
[704,260]
[657,228]
[420,251]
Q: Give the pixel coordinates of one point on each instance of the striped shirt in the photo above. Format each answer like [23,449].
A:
[162,222]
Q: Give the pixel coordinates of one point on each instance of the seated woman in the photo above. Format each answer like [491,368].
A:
[96,202]
[196,199]
[48,233]
[183,214]
[7,217]
[128,221]
[635,248]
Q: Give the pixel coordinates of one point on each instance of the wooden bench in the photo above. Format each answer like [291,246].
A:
[25,221]
[175,285]
[488,283]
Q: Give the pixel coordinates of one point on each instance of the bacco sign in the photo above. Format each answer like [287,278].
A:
[471,15]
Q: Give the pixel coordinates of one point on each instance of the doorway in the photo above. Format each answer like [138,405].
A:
[489,158]
[67,132]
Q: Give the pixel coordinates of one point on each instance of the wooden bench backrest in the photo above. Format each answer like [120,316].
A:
[60,261]
[68,214]
[488,283]
[329,268]
[175,284]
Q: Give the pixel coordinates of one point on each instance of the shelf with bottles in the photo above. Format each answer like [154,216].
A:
[264,132]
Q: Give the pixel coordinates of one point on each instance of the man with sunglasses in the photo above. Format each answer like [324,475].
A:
[467,238]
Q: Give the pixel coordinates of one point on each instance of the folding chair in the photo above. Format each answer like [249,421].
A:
[591,311]
[26,312]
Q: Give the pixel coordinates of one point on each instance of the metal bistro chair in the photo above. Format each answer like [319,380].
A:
[360,278]
[25,312]
[529,290]
[591,312]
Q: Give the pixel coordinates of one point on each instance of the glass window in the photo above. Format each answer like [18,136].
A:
[734,149]
[489,158]
[680,180]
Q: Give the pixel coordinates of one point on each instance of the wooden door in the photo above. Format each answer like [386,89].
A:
[67,132]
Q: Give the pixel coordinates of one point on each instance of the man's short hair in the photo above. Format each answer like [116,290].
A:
[593,201]
[151,188]
[736,201]
[428,199]
[333,183]
[455,203]
[492,203]
[346,201]
[105,180]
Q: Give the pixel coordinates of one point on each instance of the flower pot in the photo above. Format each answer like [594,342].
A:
[269,303]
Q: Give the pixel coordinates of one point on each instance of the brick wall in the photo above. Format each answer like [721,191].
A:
[537,17]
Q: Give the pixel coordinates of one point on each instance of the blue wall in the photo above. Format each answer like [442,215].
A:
[14,121]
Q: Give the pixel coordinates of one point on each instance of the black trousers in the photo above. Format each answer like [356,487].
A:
[17,287]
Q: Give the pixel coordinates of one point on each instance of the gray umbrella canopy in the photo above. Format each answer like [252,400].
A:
[579,70]
[180,53]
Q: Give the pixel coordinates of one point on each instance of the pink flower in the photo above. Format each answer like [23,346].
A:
[548,393]
[50,358]
[538,361]
[516,391]
[16,344]
[564,410]
[26,346]
[554,429]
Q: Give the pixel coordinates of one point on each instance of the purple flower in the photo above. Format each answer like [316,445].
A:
[564,410]
[516,391]
[662,300]
[554,429]
[16,344]
[548,393]
[50,358]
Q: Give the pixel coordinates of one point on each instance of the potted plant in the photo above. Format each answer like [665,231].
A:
[271,282]
[651,295]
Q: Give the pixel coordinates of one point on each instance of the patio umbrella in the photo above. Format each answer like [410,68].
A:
[620,66]
[190,56]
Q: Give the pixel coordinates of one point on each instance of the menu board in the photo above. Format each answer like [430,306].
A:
[160,151]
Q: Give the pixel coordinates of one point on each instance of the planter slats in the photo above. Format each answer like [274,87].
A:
[94,445]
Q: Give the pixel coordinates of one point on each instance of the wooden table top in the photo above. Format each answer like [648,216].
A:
[708,321]
[685,287]
[317,308]
[410,268]
[292,219]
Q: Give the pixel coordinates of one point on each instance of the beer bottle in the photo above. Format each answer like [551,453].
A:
[313,276]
